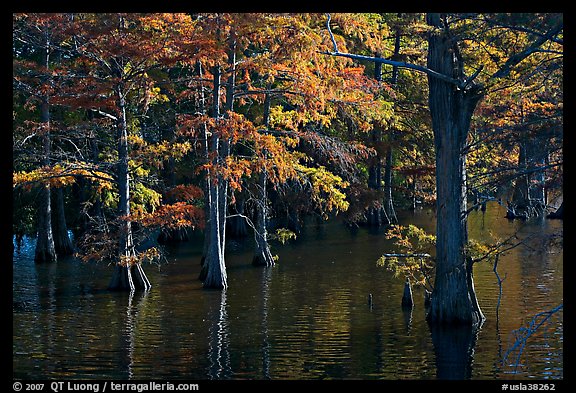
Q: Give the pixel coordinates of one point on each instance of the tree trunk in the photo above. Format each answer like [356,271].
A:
[128,275]
[388,201]
[529,197]
[45,250]
[262,254]
[216,277]
[454,299]
[376,215]
[215,262]
[413,189]
[207,232]
[520,196]
[62,242]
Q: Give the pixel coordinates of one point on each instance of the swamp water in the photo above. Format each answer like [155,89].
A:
[308,317]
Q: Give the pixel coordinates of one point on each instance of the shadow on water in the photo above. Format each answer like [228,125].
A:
[454,350]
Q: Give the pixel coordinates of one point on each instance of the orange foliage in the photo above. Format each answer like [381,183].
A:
[174,216]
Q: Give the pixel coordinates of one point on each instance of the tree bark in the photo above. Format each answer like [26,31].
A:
[45,250]
[215,277]
[529,197]
[453,299]
[62,242]
[376,215]
[388,201]
[126,275]
[262,253]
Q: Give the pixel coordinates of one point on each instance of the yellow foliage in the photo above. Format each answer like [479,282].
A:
[60,176]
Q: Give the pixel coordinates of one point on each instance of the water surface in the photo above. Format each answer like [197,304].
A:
[306,318]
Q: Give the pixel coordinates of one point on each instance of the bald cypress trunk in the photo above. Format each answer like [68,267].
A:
[45,250]
[62,242]
[453,299]
[262,253]
[376,215]
[214,266]
[128,273]
[388,201]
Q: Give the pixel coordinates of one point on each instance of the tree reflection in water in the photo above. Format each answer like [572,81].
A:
[266,279]
[218,342]
[132,311]
[454,350]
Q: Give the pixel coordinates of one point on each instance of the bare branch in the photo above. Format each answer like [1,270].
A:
[520,56]
[394,63]
[524,333]
[417,255]
[108,115]
[331,35]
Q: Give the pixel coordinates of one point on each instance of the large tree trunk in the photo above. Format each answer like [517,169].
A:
[215,276]
[45,250]
[62,242]
[454,299]
[128,274]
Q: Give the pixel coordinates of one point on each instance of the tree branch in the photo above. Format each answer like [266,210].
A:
[108,115]
[394,63]
[518,57]
[417,255]
[524,333]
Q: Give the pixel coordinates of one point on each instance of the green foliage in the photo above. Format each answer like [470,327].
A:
[326,189]
[283,235]
[413,259]
[144,199]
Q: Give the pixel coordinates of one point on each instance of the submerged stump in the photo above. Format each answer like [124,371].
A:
[407,300]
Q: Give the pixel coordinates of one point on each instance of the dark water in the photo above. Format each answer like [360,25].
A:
[306,318]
